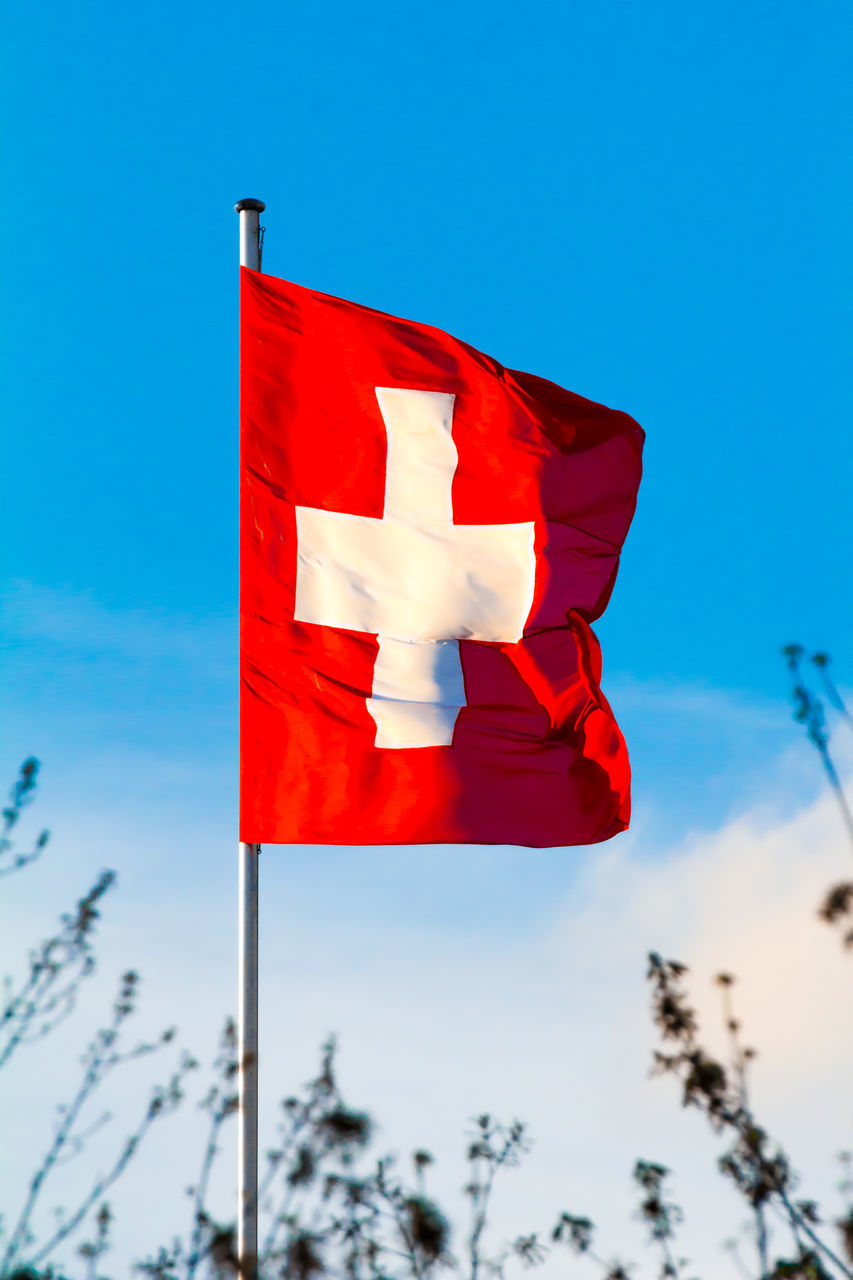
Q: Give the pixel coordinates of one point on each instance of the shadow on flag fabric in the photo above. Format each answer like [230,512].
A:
[425,539]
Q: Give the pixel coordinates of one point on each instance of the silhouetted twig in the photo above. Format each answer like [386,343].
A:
[758,1168]
[56,970]
[220,1103]
[19,797]
[808,711]
[104,1055]
[494,1147]
[94,1250]
[823,661]
[660,1215]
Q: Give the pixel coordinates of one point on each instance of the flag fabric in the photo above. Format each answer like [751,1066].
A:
[426,537]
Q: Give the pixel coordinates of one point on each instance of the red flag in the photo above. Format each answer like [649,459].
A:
[425,539]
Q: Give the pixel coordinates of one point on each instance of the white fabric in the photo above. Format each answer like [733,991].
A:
[414,578]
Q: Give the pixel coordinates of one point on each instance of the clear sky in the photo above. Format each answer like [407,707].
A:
[647,203]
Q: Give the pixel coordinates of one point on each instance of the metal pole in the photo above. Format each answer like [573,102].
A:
[250,233]
[247,1023]
[247,1056]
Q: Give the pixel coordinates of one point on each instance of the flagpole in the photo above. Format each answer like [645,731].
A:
[247,1018]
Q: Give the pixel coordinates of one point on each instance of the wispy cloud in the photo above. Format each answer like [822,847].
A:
[82,626]
[544,1019]
[703,702]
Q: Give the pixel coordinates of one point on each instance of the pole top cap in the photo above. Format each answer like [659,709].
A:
[249,204]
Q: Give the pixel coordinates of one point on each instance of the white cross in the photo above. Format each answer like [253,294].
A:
[414,578]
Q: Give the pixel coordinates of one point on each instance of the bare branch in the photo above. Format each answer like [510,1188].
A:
[102,1057]
[20,796]
[56,970]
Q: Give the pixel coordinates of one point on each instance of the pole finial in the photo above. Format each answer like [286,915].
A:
[251,232]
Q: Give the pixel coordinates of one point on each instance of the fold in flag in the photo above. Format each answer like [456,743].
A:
[426,537]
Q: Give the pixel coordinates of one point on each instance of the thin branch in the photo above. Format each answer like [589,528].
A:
[68,952]
[822,662]
[808,711]
[102,1057]
[162,1100]
[20,796]
[759,1174]
[221,1103]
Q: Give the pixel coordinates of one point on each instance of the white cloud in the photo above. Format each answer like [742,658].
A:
[544,1018]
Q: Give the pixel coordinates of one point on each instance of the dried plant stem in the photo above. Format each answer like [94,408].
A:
[798,1222]
[103,1057]
[19,797]
[103,1184]
[87,1085]
[196,1253]
[838,790]
[740,1057]
[68,955]
[808,711]
[833,693]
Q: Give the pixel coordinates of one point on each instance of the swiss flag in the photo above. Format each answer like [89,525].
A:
[425,539]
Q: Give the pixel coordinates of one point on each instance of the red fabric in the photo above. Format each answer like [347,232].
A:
[537,757]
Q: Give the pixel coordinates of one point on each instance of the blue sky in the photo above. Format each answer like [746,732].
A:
[646,203]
